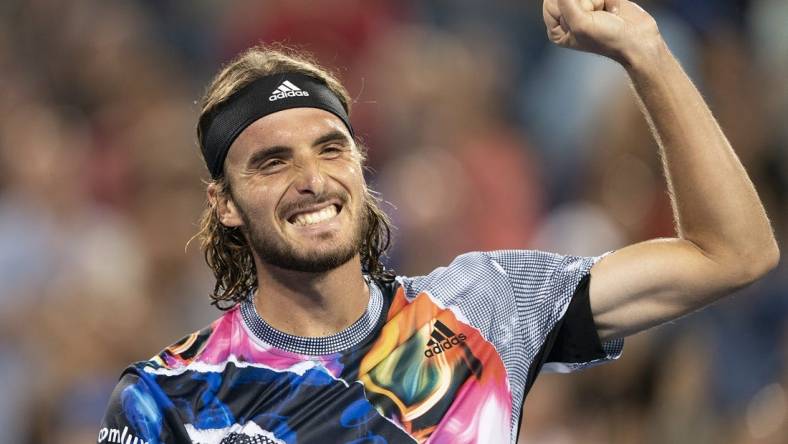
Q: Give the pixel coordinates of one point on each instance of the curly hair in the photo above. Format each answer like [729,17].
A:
[226,249]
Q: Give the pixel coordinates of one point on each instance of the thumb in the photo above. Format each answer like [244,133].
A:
[572,13]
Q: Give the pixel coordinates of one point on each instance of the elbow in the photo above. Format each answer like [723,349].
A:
[772,258]
[756,264]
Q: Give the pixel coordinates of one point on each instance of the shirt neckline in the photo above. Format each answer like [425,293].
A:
[315,346]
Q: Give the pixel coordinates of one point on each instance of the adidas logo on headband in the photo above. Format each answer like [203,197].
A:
[286,89]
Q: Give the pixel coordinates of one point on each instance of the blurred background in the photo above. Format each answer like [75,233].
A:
[481,134]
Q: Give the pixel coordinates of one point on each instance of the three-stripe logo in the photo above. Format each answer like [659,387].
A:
[442,339]
[286,89]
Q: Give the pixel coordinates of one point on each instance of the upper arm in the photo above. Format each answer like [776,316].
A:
[132,411]
[652,282]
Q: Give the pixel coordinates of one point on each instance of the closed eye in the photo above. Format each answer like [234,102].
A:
[271,164]
[332,151]
[271,157]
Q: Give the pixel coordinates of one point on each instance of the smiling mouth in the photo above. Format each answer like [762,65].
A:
[315,217]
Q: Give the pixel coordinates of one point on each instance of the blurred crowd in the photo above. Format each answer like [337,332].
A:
[481,136]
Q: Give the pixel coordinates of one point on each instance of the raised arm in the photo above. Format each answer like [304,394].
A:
[724,239]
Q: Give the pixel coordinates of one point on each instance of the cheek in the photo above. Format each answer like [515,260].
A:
[357,184]
[357,176]
[258,202]
[350,176]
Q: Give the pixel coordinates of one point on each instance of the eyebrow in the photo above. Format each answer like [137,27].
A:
[331,136]
[267,153]
[279,150]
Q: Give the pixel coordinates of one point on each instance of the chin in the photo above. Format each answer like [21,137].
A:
[307,260]
[317,263]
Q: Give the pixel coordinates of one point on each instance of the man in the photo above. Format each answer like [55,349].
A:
[321,344]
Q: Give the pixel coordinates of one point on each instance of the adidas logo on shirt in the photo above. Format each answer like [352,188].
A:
[286,89]
[442,339]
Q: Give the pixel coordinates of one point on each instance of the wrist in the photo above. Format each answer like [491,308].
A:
[646,56]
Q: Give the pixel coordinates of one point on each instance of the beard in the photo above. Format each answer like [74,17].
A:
[272,249]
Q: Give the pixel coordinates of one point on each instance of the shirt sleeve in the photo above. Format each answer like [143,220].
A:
[552,294]
[134,414]
[574,342]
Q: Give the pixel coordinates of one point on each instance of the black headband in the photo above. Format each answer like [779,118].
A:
[264,96]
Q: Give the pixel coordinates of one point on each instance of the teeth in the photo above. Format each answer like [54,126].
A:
[315,217]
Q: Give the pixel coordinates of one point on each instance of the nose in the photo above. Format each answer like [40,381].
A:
[309,178]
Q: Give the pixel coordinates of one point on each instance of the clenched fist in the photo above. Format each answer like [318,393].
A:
[618,29]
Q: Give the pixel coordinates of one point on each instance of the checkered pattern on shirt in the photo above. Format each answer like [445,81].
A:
[325,345]
[515,298]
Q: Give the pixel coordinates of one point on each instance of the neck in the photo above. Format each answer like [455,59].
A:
[311,304]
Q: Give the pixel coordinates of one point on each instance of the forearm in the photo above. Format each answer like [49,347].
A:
[715,204]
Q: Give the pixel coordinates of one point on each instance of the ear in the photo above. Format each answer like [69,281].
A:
[226,209]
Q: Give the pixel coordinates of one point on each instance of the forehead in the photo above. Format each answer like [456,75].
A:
[290,127]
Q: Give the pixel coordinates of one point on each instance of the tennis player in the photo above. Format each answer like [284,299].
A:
[320,343]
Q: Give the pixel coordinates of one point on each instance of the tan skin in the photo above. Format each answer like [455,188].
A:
[724,240]
[299,166]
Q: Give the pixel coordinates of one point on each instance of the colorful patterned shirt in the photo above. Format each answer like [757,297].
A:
[443,358]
